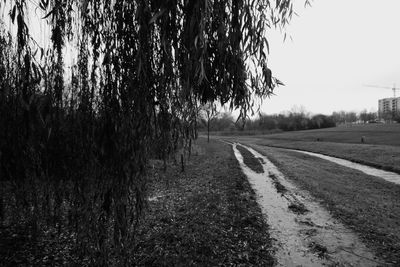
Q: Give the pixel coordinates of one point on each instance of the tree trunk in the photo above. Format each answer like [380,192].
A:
[190,148]
[182,163]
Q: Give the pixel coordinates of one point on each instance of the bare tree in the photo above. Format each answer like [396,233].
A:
[209,112]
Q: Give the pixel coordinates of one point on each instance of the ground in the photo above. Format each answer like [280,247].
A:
[204,216]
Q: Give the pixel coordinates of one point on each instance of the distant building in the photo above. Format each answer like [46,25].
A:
[388,106]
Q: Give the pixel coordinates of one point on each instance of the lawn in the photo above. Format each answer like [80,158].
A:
[374,133]
[381,150]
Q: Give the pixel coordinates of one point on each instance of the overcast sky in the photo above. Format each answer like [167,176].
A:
[338,46]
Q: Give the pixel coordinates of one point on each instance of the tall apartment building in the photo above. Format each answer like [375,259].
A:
[389,105]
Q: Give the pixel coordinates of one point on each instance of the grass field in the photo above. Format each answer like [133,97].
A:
[381,150]
[376,134]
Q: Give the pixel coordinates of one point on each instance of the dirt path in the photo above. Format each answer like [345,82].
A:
[305,232]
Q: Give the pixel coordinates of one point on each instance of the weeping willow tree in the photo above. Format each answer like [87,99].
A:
[77,134]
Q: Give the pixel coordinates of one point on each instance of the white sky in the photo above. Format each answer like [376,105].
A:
[338,46]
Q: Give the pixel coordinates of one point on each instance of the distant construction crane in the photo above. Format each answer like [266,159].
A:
[394,88]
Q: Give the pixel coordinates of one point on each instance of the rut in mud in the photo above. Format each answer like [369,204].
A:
[305,233]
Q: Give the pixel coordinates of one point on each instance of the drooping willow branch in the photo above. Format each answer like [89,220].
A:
[120,80]
[203,50]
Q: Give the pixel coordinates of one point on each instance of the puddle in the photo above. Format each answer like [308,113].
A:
[305,234]
[156,198]
[388,176]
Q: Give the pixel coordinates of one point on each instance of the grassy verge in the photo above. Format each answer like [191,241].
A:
[206,216]
[367,204]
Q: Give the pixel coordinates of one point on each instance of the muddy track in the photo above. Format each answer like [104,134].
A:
[305,233]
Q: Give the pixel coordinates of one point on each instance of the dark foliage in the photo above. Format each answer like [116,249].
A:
[73,152]
[289,122]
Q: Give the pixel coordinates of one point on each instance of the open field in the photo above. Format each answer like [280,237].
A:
[381,149]
[375,133]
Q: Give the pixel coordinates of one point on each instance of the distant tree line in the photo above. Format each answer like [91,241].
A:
[396,117]
[295,120]
[343,117]
[390,116]
[290,122]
